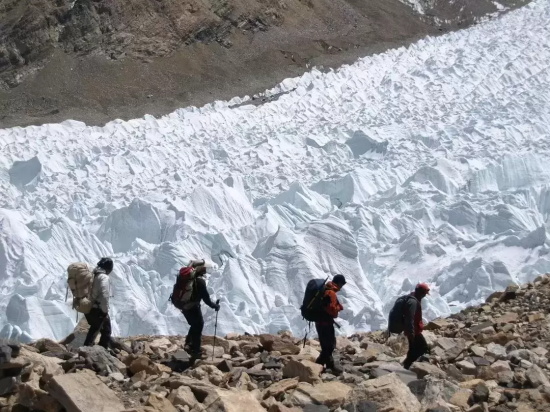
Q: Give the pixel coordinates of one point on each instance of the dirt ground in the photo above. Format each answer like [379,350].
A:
[99,61]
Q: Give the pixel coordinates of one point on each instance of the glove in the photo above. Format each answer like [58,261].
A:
[217,307]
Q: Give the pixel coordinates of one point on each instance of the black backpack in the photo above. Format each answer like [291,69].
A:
[312,305]
[396,321]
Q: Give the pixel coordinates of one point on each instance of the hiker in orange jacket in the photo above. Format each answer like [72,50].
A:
[325,325]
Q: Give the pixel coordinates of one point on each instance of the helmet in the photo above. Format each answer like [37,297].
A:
[424,287]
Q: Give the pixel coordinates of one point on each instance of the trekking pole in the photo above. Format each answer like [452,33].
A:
[336,324]
[307,332]
[215,330]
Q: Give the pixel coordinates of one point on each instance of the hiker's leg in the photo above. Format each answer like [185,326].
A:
[331,343]
[410,355]
[197,333]
[105,339]
[196,324]
[188,317]
[417,346]
[422,346]
[94,320]
[327,341]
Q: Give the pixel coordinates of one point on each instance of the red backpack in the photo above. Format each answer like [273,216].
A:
[183,295]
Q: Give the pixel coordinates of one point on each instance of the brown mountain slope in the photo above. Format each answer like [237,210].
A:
[95,60]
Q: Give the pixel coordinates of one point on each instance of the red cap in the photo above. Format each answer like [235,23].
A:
[423,286]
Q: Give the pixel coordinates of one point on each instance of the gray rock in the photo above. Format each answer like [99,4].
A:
[403,374]
[496,351]
[225,365]
[466,367]
[536,377]
[480,361]
[480,393]
[423,369]
[101,361]
[316,408]
[5,354]
[418,387]
[7,385]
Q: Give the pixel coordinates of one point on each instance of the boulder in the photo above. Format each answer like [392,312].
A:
[536,377]
[216,351]
[279,407]
[452,347]
[101,361]
[143,363]
[386,368]
[234,401]
[279,388]
[438,393]
[5,354]
[304,370]
[508,317]
[7,385]
[34,398]
[386,392]
[437,324]
[183,396]
[461,397]
[83,392]
[45,366]
[480,393]
[223,343]
[496,351]
[308,353]
[162,344]
[284,345]
[502,372]
[423,369]
[210,372]
[466,367]
[48,345]
[327,393]
[160,403]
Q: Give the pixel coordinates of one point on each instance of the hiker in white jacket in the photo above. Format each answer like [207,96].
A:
[98,318]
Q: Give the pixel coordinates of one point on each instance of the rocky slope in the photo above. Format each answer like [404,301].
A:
[489,358]
[81,58]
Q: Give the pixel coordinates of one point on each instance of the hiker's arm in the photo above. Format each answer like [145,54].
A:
[103,298]
[333,306]
[410,312]
[203,293]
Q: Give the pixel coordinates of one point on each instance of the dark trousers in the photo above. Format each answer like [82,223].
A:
[417,347]
[196,323]
[327,339]
[99,322]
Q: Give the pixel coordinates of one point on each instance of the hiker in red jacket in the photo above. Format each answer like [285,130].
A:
[325,326]
[414,325]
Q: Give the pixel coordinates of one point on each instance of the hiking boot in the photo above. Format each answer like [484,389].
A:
[335,368]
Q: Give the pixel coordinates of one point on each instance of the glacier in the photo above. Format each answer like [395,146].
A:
[426,163]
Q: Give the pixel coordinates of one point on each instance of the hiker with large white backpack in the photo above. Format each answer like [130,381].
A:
[189,291]
[321,305]
[90,291]
[406,316]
